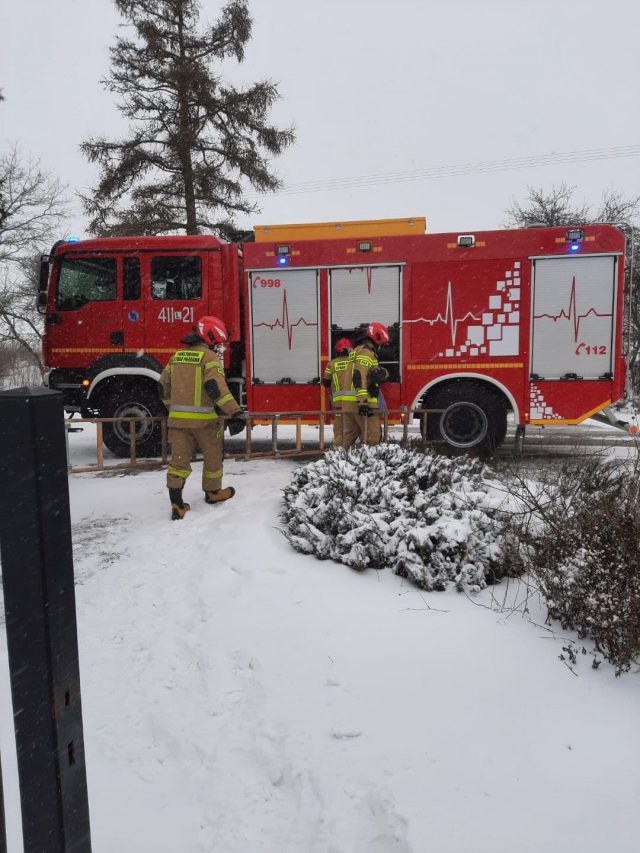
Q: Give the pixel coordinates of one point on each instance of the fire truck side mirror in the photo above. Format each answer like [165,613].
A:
[43,282]
[44,272]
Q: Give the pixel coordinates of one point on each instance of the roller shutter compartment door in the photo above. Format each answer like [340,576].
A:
[573,317]
[365,295]
[284,326]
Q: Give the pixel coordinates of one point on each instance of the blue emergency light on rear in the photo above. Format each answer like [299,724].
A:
[574,247]
[283,261]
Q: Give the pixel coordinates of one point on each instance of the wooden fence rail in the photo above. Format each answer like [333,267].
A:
[402,417]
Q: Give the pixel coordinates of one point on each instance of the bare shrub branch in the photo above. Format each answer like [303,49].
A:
[578,525]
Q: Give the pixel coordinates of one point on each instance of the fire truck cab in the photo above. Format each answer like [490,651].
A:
[482,323]
[115,310]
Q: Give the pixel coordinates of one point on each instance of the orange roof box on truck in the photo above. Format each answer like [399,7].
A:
[336,230]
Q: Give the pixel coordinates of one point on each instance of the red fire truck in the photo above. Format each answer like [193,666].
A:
[482,324]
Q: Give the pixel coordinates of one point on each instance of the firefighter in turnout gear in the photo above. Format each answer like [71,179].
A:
[337,380]
[193,388]
[361,418]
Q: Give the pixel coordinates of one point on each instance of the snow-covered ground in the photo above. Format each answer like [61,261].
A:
[239,697]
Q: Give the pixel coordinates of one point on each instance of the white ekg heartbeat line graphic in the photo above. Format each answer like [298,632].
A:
[448,318]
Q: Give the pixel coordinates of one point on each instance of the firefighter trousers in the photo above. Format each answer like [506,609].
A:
[184,443]
[353,426]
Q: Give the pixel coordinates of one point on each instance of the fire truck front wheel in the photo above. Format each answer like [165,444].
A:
[135,401]
[474,417]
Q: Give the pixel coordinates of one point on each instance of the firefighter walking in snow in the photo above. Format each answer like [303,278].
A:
[193,387]
[360,412]
[337,379]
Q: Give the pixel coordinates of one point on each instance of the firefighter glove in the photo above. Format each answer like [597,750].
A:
[237,423]
[378,375]
[363,410]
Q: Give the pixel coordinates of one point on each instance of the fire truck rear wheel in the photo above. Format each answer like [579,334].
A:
[136,401]
[474,417]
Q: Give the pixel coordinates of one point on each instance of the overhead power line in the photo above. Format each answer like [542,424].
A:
[532,161]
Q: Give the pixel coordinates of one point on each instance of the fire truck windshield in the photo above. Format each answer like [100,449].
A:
[83,280]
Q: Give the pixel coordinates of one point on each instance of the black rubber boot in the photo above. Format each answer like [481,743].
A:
[178,507]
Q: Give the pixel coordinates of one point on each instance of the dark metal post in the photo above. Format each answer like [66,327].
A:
[163,439]
[3,827]
[132,441]
[405,423]
[274,435]
[423,427]
[298,432]
[37,577]
[247,453]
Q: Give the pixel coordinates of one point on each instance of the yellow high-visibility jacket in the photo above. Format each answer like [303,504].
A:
[338,378]
[183,388]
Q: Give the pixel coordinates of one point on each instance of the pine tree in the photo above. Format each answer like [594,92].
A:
[195,140]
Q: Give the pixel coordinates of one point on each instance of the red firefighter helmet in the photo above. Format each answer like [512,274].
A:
[378,333]
[342,345]
[212,330]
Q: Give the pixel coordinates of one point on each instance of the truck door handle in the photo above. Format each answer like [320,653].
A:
[53,319]
[116,338]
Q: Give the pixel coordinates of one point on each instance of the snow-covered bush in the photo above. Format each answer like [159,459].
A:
[583,553]
[428,517]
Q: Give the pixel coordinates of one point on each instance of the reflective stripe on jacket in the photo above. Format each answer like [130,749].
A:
[338,377]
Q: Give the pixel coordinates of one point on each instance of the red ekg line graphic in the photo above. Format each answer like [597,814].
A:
[571,313]
[448,318]
[284,323]
[368,273]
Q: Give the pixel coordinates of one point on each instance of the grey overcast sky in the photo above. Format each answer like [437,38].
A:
[375,88]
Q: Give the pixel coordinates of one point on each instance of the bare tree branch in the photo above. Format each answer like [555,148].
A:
[32,209]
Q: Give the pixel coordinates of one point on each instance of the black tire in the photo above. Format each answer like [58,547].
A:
[474,417]
[501,431]
[131,399]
